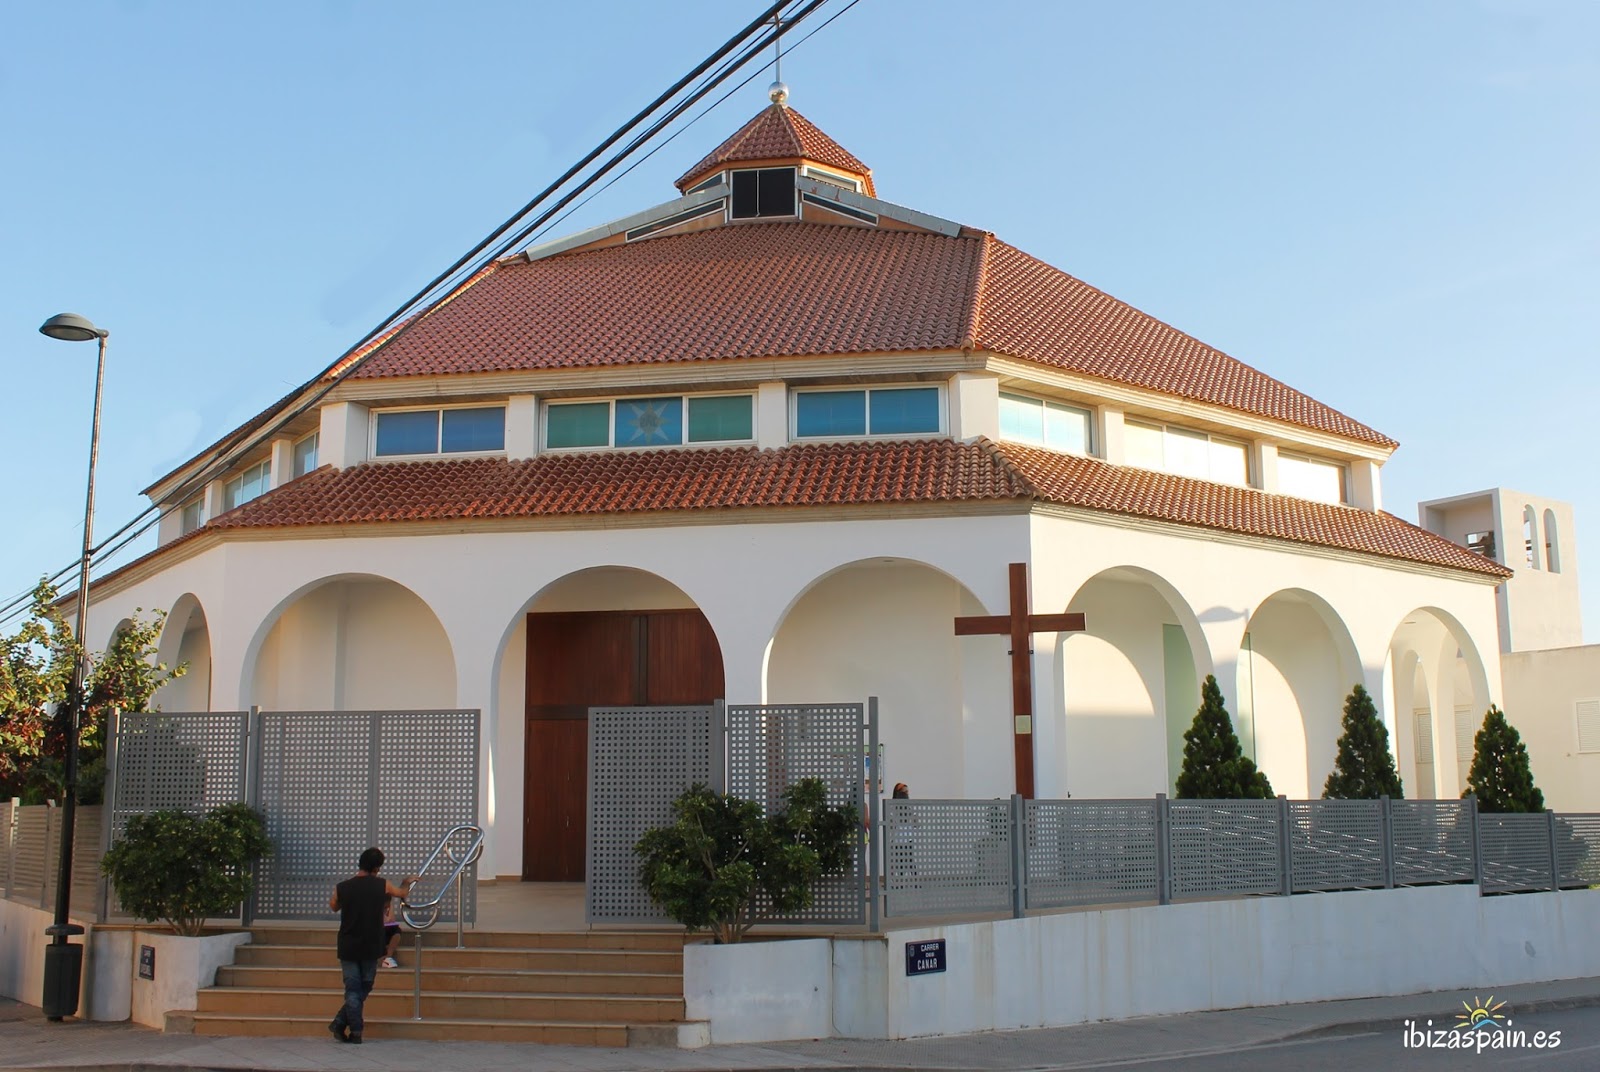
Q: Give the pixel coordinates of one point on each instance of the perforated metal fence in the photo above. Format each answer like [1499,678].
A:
[1433,841]
[1337,845]
[176,762]
[331,783]
[1082,852]
[947,856]
[943,858]
[1224,847]
[640,760]
[773,746]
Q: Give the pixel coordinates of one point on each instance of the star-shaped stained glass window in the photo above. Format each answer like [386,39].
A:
[649,422]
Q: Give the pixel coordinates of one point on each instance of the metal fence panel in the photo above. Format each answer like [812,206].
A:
[331,783]
[8,842]
[189,762]
[947,856]
[1578,850]
[640,760]
[1222,848]
[1432,841]
[1516,852]
[1336,844]
[1082,852]
[773,746]
[38,851]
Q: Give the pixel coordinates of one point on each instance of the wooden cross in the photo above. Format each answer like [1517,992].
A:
[1019,625]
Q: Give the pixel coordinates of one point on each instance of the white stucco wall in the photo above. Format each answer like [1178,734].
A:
[1542,690]
[802,609]
[1113,964]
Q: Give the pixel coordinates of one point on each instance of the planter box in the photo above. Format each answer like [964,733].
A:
[182,966]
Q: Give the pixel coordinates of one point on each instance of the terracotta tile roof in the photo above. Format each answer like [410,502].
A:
[782,289]
[778,133]
[1096,485]
[751,290]
[824,474]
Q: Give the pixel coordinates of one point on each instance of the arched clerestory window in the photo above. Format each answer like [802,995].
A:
[1552,545]
[1530,536]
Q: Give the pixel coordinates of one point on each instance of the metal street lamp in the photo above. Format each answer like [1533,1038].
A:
[63,960]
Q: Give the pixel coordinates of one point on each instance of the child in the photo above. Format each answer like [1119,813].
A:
[391,935]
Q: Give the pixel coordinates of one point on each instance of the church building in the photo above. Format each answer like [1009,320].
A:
[766,442]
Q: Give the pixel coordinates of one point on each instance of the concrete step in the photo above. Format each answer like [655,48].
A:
[445,935]
[472,979]
[445,1005]
[442,1030]
[452,959]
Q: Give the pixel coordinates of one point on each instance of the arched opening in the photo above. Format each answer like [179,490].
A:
[885,628]
[1131,683]
[351,643]
[1552,545]
[1440,692]
[1530,536]
[185,639]
[1297,664]
[609,636]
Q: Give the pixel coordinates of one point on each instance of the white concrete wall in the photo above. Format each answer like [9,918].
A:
[758,991]
[182,966]
[1113,964]
[106,966]
[1542,689]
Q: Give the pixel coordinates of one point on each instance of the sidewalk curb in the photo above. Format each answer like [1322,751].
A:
[1353,1027]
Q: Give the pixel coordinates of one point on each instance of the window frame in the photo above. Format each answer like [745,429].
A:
[941,404]
[1045,405]
[264,467]
[1311,459]
[794,174]
[438,432]
[1212,439]
[198,503]
[294,455]
[610,403]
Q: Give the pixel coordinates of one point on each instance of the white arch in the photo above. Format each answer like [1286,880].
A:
[1445,652]
[1552,543]
[1530,536]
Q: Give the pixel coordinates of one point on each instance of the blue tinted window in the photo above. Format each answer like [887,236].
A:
[724,419]
[305,455]
[473,429]
[582,424]
[905,411]
[830,413]
[649,422]
[413,432]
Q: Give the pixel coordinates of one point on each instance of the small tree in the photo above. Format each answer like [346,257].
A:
[1501,777]
[1364,769]
[724,864]
[1214,766]
[183,870]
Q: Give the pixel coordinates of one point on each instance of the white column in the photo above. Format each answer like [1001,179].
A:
[772,416]
[1366,486]
[522,427]
[214,501]
[342,438]
[974,406]
[1108,435]
[281,471]
[1266,474]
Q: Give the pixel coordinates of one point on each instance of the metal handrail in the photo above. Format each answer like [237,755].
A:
[420,917]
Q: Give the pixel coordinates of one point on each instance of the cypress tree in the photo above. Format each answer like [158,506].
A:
[1364,769]
[1214,766]
[1501,777]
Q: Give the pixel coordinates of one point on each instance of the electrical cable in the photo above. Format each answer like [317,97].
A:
[473,263]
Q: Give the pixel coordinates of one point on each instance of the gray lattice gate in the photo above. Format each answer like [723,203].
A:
[176,762]
[330,783]
[772,746]
[640,760]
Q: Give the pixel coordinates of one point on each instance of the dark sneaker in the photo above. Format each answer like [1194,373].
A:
[353,1039]
[338,1031]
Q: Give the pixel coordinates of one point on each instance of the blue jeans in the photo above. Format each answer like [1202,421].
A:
[359,975]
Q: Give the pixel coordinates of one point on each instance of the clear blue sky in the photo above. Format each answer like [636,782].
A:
[1389,206]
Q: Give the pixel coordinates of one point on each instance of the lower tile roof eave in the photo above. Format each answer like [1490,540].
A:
[202,540]
[1276,543]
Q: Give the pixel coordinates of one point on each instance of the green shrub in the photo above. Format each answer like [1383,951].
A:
[1501,777]
[1364,769]
[183,870]
[1214,766]
[724,863]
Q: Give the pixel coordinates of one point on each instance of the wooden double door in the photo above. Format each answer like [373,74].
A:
[583,659]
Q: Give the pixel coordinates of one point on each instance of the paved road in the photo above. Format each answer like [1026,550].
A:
[1363,1034]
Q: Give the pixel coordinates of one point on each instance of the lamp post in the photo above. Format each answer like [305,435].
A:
[63,960]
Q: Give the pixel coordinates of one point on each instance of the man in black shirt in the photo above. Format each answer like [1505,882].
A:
[360,902]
